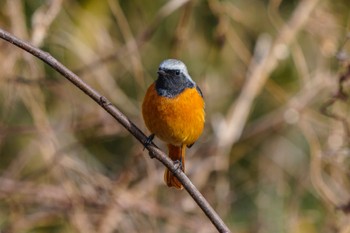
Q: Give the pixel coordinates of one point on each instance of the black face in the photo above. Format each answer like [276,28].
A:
[170,83]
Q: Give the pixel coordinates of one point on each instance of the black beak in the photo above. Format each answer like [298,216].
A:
[161,73]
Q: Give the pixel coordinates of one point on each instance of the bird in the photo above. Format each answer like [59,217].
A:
[173,111]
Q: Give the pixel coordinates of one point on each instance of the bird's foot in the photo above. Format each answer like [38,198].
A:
[178,165]
[148,141]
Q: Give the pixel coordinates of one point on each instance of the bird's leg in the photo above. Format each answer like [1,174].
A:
[178,164]
[148,142]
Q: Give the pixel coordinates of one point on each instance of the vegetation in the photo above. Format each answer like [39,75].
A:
[274,156]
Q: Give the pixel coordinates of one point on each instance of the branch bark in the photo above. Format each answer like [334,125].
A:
[124,121]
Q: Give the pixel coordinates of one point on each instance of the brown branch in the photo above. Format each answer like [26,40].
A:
[340,95]
[125,122]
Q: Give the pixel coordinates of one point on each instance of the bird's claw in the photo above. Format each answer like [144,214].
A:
[178,165]
[148,141]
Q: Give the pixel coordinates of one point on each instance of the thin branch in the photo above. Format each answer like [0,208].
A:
[43,18]
[260,72]
[125,122]
[340,95]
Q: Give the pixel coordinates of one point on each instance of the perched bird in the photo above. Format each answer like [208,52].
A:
[173,110]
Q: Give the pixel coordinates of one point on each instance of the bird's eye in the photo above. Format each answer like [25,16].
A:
[177,72]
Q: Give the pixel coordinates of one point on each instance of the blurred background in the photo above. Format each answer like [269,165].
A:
[274,156]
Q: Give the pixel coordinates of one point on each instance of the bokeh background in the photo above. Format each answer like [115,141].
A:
[274,156]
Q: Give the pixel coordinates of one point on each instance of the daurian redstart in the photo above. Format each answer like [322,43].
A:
[173,110]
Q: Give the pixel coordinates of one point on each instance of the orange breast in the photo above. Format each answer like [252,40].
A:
[178,120]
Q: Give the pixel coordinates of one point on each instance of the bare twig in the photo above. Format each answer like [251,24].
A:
[125,122]
[131,44]
[340,95]
[42,20]
[260,72]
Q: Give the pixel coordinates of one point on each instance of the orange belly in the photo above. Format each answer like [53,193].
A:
[178,120]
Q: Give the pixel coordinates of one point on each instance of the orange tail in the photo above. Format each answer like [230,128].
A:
[176,153]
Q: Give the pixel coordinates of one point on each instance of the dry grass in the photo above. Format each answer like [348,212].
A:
[269,160]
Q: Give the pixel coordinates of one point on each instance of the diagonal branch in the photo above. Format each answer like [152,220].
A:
[124,121]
